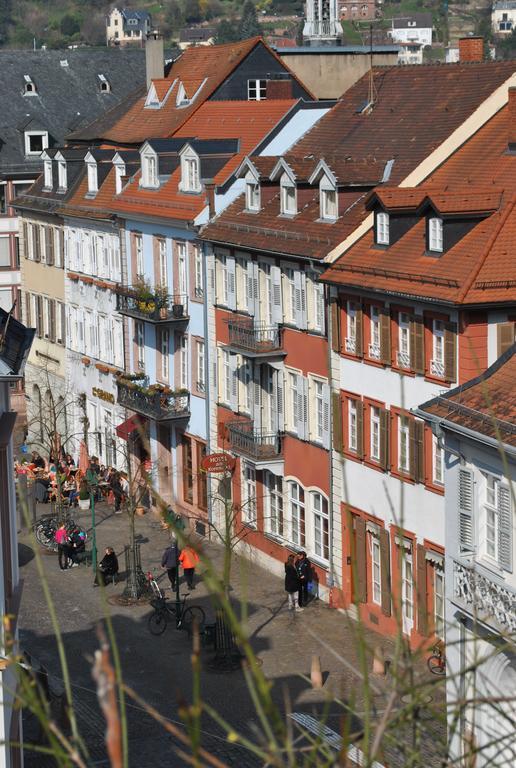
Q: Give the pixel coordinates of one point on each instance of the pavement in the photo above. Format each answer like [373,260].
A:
[159,670]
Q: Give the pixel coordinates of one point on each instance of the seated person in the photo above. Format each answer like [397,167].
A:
[77,544]
[108,567]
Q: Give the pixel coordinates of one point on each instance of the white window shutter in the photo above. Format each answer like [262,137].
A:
[277,310]
[257,397]
[233,365]
[465,505]
[230,266]
[505,527]
[319,306]
[300,298]
[326,416]
[302,407]
[279,400]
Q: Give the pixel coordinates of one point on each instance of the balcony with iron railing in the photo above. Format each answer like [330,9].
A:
[483,598]
[152,307]
[156,402]
[255,339]
[256,444]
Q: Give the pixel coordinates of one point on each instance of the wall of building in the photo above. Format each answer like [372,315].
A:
[329,74]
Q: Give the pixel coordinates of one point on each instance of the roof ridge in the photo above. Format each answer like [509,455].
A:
[492,240]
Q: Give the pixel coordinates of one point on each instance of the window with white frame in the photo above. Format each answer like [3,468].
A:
[183,358]
[297,514]
[256,90]
[403,340]
[47,172]
[225,377]
[181,268]
[252,193]
[138,247]
[439,618]
[165,351]
[352,425]
[273,503]
[35,142]
[244,380]
[328,200]
[316,318]
[318,405]
[150,171]
[376,574]
[374,327]
[489,534]
[288,196]
[243,283]
[375,433]
[222,280]
[403,444]
[248,493]
[435,234]
[351,327]
[139,334]
[289,295]
[382,228]
[437,362]
[321,530]
[407,589]
[46,317]
[292,397]
[190,173]
[93,184]
[162,262]
[119,174]
[62,181]
[438,462]
[201,367]
[198,272]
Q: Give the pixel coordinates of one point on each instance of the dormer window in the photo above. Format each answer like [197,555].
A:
[382,228]
[182,99]
[29,87]
[288,196]
[47,174]
[62,175]
[119,174]
[252,193]
[435,234]
[93,184]
[35,142]
[328,200]
[150,171]
[190,176]
[105,87]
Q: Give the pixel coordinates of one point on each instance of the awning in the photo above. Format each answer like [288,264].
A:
[124,429]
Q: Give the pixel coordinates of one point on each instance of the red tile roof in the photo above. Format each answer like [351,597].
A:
[486,404]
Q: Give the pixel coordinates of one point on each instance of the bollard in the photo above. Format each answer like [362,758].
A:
[316,672]
[378,661]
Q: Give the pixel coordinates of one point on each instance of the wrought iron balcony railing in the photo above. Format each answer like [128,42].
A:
[151,308]
[157,404]
[484,598]
[254,338]
[256,444]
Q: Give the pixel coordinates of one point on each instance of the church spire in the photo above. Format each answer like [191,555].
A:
[322,26]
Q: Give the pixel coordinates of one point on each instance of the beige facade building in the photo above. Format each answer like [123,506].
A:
[127,27]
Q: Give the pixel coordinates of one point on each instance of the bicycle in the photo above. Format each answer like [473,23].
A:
[45,531]
[164,609]
[437,661]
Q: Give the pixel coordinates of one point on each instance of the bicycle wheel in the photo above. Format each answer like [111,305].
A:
[436,665]
[45,536]
[191,615]
[157,622]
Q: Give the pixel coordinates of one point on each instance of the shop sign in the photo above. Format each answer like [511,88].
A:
[103,395]
[218,462]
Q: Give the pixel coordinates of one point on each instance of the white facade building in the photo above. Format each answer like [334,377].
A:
[413,29]
[503,17]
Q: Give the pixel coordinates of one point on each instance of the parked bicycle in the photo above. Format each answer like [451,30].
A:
[164,610]
[45,531]
[437,661]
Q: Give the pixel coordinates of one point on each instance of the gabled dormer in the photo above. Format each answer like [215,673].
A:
[48,176]
[150,168]
[92,172]
[328,196]
[288,190]
[120,172]
[29,86]
[62,173]
[451,215]
[396,210]
[190,170]
[158,93]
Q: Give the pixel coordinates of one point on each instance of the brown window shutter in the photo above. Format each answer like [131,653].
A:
[52,319]
[36,236]
[360,562]
[46,234]
[39,318]
[335,325]
[63,324]
[50,245]
[359,338]
[28,319]
[504,337]
[385,569]
[417,344]
[337,421]
[421,591]
[417,464]
[384,437]
[25,231]
[62,247]
[450,357]
[360,428]
[385,336]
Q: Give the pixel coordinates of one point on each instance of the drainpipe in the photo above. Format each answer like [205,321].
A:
[207,371]
[330,469]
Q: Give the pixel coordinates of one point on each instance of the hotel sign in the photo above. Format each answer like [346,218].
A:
[103,395]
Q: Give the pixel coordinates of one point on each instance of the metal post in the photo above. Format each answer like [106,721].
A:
[94,534]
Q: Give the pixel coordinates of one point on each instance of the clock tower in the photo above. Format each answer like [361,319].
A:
[322,25]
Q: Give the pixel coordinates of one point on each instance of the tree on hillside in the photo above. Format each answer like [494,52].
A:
[5,16]
[249,26]
[227,31]
[192,11]
[69,25]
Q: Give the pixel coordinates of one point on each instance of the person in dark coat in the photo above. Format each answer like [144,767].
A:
[116,486]
[304,572]
[292,584]
[108,567]
[170,561]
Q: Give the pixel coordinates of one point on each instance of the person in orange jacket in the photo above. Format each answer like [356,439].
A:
[189,559]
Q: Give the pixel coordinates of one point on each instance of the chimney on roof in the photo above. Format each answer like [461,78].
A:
[512,119]
[209,186]
[471,49]
[154,59]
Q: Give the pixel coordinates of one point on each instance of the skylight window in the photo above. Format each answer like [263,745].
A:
[435,234]
[382,228]
[105,87]
[29,87]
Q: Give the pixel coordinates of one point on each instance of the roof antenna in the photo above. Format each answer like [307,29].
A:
[372,93]
[3,334]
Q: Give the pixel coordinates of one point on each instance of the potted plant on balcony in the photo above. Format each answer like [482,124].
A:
[162,298]
[144,296]
[84,496]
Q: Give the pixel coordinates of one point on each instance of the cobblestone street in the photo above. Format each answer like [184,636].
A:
[158,668]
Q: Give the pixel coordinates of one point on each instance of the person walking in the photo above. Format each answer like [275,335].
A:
[189,559]
[304,572]
[116,487]
[63,546]
[169,560]
[292,584]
